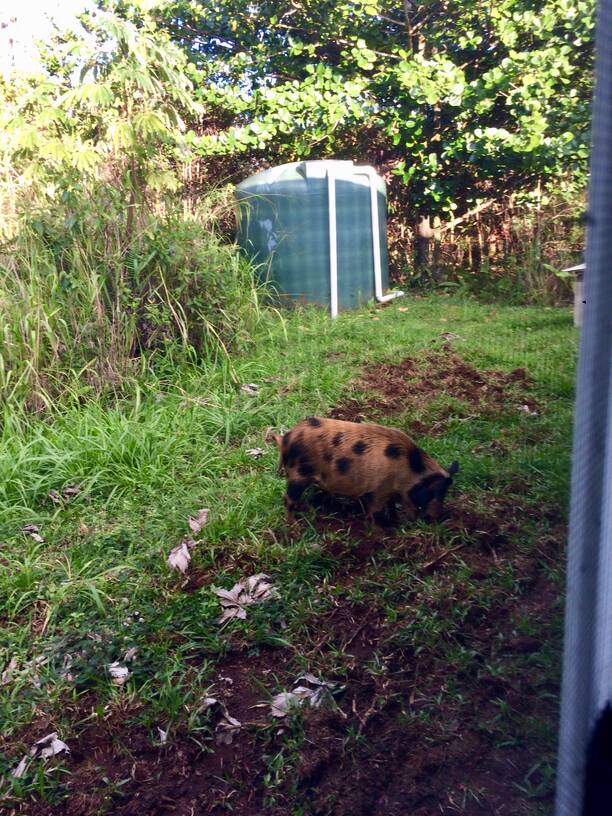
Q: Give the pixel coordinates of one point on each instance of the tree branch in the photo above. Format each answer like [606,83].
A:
[469,214]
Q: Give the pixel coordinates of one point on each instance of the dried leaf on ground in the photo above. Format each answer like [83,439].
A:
[68,492]
[34,532]
[196,524]
[19,771]
[246,592]
[65,673]
[44,749]
[163,735]
[71,490]
[48,746]
[8,672]
[255,453]
[180,556]
[227,728]
[130,654]
[209,702]
[119,674]
[283,702]
[451,336]
[252,389]
[525,409]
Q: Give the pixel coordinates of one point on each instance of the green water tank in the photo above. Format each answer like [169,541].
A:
[317,232]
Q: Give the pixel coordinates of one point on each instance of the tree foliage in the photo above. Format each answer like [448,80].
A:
[461,100]
[111,110]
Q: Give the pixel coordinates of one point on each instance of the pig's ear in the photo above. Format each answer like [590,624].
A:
[454,468]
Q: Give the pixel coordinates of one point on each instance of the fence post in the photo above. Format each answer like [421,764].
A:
[584,777]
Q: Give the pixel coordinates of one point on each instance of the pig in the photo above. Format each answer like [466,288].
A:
[378,465]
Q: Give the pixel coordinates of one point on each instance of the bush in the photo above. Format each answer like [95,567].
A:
[81,312]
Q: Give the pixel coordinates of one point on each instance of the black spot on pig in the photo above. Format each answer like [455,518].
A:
[343,464]
[393,451]
[337,440]
[294,452]
[314,422]
[360,447]
[328,456]
[305,468]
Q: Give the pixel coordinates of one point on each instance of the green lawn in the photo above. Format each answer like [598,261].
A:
[98,584]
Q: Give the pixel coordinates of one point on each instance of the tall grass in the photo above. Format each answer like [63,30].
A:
[82,310]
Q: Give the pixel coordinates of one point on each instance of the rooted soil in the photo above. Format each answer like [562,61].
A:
[385,389]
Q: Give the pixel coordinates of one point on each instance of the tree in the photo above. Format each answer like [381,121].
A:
[462,102]
[111,110]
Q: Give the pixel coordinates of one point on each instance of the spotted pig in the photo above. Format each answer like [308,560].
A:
[381,466]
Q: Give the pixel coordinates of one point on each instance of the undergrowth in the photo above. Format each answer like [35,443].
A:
[83,310]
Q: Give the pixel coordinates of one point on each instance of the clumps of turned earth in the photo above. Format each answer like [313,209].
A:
[414,385]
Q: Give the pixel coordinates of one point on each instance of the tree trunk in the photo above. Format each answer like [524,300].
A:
[423,236]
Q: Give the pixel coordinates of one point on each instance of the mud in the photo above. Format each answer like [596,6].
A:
[411,386]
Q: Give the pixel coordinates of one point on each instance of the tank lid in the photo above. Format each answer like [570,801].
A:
[316,168]
[319,168]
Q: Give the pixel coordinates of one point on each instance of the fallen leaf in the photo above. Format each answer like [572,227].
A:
[283,702]
[180,556]
[71,490]
[130,654]
[246,592]
[451,336]
[48,746]
[8,672]
[252,389]
[68,492]
[525,409]
[44,749]
[19,771]
[310,678]
[232,612]
[402,309]
[196,524]
[255,452]
[119,674]
[163,735]
[376,318]
[66,674]
[209,702]
[33,531]
[227,729]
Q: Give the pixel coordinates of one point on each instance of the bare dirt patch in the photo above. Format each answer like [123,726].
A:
[411,385]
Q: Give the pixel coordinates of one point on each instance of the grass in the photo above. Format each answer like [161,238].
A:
[99,583]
